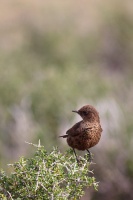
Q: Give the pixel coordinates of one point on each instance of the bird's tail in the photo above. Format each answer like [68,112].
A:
[64,136]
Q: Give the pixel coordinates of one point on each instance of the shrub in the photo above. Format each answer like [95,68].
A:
[47,176]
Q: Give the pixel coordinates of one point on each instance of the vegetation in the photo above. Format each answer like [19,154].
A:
[47,176]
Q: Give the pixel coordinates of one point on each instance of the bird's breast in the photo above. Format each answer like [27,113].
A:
[85,140]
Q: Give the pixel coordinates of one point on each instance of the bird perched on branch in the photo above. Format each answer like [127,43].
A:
[86,133]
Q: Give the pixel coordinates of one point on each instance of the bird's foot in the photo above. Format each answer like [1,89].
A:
[77,159]
[89,156]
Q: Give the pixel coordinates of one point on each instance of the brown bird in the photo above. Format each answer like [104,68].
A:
[86,133]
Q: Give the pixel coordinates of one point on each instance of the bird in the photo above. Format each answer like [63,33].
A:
[86,133]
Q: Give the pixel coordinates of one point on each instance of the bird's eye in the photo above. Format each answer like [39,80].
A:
[84,113]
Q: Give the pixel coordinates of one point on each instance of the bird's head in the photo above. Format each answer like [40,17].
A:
[88,113]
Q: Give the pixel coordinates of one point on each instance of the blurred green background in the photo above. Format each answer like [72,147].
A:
[56,56]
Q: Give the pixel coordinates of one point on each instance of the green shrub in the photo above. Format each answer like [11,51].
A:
[47,176]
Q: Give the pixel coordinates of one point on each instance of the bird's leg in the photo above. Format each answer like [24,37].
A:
[89,155]
[75,155]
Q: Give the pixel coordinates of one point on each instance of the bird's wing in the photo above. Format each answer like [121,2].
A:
[75,130]
[78,128]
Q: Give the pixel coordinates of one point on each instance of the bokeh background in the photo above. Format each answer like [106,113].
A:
[56,56]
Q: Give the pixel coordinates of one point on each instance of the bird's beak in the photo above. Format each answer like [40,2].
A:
[75,111]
